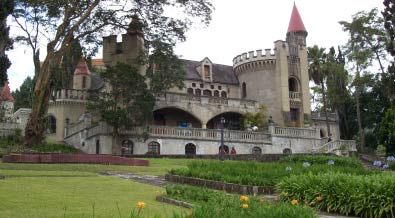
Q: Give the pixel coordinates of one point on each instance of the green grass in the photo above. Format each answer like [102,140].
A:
[52,190]
[157,167]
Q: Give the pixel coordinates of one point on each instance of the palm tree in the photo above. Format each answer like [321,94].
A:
[318,72]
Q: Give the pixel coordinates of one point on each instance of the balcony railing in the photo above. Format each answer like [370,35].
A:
[69,94]
[296,132]
[332,146]
[321,115]
[294,96]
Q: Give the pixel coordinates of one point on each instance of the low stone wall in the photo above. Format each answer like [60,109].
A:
[73,158]
[174,202]
[227,187]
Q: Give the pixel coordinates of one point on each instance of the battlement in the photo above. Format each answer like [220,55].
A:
[257,55]
[69,94]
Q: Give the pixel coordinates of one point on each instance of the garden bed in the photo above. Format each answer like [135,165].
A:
[173,201]
[218,185]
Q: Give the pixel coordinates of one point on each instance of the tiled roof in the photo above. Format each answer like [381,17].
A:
[295,23]
[82,67]
[6,94]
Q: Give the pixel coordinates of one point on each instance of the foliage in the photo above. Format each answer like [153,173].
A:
[47,147]
[63,22]
[253,173]
[6,8]
[319,159]
[218,204]
[387,131]
[24,95]
[364,196]
[388,79]
[258,119]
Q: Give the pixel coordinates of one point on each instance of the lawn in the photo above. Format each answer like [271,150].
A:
[76,190]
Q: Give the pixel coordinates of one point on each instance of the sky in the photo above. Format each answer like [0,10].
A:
[241,26]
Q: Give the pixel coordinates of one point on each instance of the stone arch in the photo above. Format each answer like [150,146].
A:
[216,93]
[293,84]
[167,113]
[323,133]
[51,124]
[232,120]
[207,92]
[127,147]
[226,148]
[256,150]
[287,151]
[190,149]
[153,148]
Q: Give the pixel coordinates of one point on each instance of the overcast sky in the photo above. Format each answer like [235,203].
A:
[242,26]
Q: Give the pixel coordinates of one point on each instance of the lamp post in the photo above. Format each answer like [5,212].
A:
[222,150]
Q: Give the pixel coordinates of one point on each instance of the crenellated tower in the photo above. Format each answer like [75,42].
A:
[129,49]
[82,76]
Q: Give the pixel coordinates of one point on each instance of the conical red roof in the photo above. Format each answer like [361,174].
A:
[6,94]
[295,23]
[82,67]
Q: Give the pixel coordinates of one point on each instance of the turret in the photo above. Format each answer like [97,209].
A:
[7,101]
[296,34]
[82,76]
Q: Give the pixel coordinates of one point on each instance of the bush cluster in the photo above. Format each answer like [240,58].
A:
[47,147]
[320,159]
[364,196]
[253,173]
[219,204]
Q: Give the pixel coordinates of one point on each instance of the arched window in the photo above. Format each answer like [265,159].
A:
[244,90]
[198,92]
[51,124]
[223,94]
[190,91]
[190,149]
[293,85]
[207,92]
[127,147]
[216,93]
[153,148]
[226,148]
[256,150]
[83,82]
[287,151]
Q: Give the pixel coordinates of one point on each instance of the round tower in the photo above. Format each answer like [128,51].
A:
[7,101]
[82,76]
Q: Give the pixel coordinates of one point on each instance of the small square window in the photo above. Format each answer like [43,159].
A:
[193,84]
[212,86]
[219,87]
[201,85]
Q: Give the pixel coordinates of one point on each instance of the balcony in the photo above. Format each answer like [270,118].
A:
[318,115]
[294,98]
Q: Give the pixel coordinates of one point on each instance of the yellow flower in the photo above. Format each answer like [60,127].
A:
[245,206]
[140,204]
[262,199]
[285,194]
[189,214]
[320,198]
[243,198]
[294,202]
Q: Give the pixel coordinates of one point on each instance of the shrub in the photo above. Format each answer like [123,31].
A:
[48,147]
[209,203]
[321,159]
[364,196]
[253,173]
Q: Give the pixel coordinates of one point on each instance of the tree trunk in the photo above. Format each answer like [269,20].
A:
[328,128]
[360,129]
[35,128]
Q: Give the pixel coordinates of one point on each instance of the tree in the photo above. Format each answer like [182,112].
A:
[6,8]
[387,131]
[257,119]
[318,72]
[388,79]
[85,21]
[127,103]
[24,95]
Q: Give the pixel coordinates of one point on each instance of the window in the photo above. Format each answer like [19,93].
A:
[190,91]
[201,85]
[226,148]
[219,87]
[198,92]
[216,93]
[97,146]
[207,92]
[294,114]
[256,150]
[207,72]
[292,85]
[244,90]
[51,124]
[223,94]
[193,84]
[190,149]
[127,147]
[287,151]
[83,82]
[212,86]
[153,148]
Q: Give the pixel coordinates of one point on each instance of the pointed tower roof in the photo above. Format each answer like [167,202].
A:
[82,67]
[295,23]
[6,94]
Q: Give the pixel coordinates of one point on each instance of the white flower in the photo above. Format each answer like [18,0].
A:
[306,164]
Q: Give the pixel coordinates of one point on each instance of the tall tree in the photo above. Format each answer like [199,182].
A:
[318,72]
[24,95]
[6,8]
[86,20]
[388,79]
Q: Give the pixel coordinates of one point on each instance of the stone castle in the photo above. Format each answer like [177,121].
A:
[188,120]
